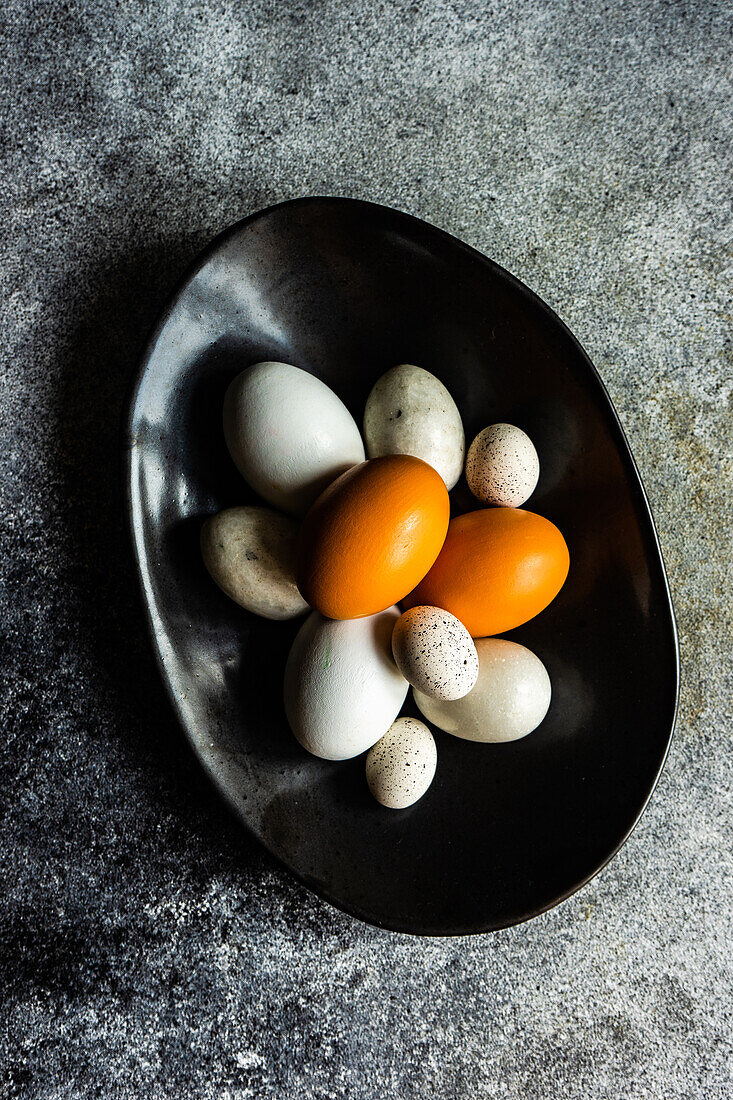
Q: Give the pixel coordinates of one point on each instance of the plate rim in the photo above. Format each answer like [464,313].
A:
[129,447]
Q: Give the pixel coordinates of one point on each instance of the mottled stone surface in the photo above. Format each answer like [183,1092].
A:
[148,949]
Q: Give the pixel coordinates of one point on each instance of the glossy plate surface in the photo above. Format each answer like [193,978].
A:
[346,290]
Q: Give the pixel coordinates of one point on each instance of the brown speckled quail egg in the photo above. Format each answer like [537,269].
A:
[502,466]
[435,653]
[401,766]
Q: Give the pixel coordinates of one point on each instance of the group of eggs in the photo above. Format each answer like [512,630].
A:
[353,537]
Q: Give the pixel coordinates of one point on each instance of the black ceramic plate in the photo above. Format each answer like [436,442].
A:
[347,289]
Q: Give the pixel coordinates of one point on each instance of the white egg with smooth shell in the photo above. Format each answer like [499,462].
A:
[342,688]
[250,553]
[401,766]
[410,412]
[509,700]
[502,466]
[289,435]
[435,653]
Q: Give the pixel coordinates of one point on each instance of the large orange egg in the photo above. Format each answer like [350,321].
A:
[371,536]
[498,568]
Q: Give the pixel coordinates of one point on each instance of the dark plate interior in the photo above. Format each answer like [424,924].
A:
[347,289]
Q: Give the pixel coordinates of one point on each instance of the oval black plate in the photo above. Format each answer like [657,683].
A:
[346,289]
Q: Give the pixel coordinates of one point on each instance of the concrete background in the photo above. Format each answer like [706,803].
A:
[148,949]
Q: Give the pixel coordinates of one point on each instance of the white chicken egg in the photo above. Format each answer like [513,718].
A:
[510,698]
[250,553]
[435,653]
[502,466]
[342,688]
[289,435]
[401,766]
[410,412]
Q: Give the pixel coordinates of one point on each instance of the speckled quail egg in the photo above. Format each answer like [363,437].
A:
[401,766]
[502,466]
[435,653]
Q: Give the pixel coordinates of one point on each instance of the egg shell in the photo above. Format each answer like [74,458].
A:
[435,653]
[342,688]
[409,411]
[371,536]
[502,466]
[499,567]
[401,766]
[250,553]
[510,699]
[288,434]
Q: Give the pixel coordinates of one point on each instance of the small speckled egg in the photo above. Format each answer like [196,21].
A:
[410,412]
[435,653]
[401,766]
[510,698]
[250,553]
[502,466]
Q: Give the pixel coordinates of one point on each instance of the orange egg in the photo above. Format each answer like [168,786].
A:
[371,536]
[498,568]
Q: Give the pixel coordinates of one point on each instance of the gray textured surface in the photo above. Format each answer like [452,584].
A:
[147,949]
